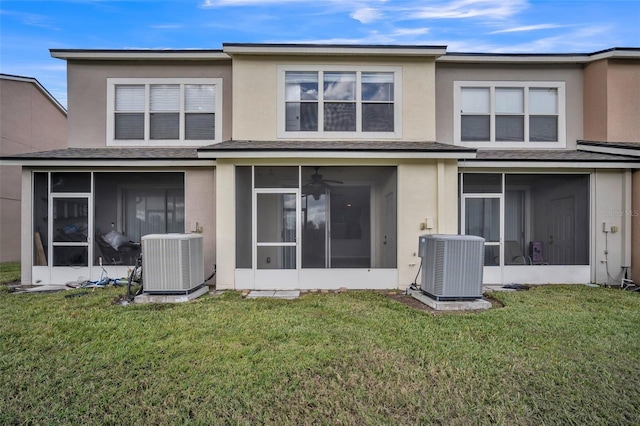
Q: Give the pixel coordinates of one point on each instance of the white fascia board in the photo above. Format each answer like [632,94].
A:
[107,163]
[334,50]
[610,150]
[547,165]
[507,59]
[616,54]
[334,154]
[139,55]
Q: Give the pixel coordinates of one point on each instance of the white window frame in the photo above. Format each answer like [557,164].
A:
[147,141]
[282,133]
[525,85]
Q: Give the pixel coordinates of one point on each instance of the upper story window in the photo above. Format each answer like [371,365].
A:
[332,102]
[161,111]
[509,114]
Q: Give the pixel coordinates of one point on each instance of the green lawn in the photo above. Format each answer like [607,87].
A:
[9,272]
[552,355]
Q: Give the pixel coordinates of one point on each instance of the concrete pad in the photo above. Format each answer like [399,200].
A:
[287,294]
[170,298]
[450,305]
[258,294]
[275,294]
[47,288]
[495,287]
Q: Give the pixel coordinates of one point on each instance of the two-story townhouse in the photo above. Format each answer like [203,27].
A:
[612,122]
[131,169]
[318,166]
[543,204]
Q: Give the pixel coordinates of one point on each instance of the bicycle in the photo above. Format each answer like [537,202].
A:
[135,282]
[627,283]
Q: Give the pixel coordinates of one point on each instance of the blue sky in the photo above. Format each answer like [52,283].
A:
[29,28]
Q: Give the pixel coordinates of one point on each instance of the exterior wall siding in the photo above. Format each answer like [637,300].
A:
[447,73]
[595,101]
[623,82]
[87,92]
[255,94]
[29,122]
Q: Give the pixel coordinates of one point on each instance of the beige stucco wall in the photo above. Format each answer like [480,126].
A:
[426,189]
[612,101]
[595,101]
[623,81]
[87,92]
[29,122]
[255,93]
[447,73]
[200,207]
[612,204]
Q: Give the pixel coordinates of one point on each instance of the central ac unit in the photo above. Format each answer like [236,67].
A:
[172,263]
[452,266]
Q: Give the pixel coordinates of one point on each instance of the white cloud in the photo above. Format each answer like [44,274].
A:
[528,28]
[32,19]
[401,32]
[366,15]
[460,9]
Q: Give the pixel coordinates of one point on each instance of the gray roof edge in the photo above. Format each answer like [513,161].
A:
[366,146]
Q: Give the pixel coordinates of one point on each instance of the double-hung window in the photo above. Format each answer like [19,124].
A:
[509,114]
[169,112]
[339,102]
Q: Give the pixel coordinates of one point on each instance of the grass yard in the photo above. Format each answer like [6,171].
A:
[552,355]
[9,272]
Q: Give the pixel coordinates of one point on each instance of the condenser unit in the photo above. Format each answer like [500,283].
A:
[172,263]
[452,266]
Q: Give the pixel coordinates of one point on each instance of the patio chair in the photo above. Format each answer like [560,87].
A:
[513,254]
[126,252]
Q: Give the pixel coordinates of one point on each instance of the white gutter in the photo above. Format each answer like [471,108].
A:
[610,150]
[348,50]
[83,162]
[548,164]
[139,55]
[335,154]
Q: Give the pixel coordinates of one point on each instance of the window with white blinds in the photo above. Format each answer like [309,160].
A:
[164,111]
[509,114]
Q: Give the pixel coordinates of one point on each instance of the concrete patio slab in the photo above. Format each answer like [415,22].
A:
[48,288]
[170,298]
[495,287]
[449,305]
[275,294]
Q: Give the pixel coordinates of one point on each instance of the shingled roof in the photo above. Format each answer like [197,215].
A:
[389,146]
[89,154]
